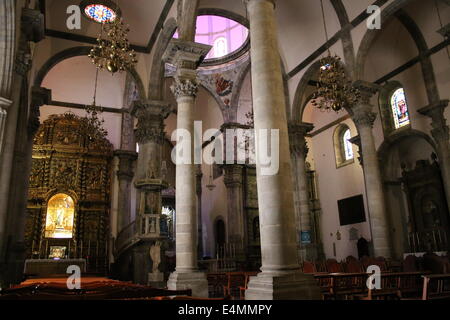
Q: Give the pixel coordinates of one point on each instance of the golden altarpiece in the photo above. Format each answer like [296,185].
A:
[69,193]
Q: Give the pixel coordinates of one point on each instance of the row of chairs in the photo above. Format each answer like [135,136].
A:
[350,265]
[229,284]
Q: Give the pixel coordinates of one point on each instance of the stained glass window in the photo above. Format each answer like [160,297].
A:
[399,106]
[347,145]
[59,220]
[100,13]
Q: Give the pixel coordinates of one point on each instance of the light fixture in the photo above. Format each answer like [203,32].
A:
[334,90]
[100,11]
[92,126]
[211,186]
[113,51]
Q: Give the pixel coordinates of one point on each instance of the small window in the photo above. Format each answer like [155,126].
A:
[399,107]
[342,146]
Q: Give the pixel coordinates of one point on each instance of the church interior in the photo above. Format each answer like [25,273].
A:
[225,149]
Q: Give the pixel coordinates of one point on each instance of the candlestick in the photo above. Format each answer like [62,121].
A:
[68,251]
[40,247]
[32,249]
[46,250]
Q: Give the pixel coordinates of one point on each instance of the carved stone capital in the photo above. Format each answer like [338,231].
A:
[22,62]
[32,25]
[150,115]
[184,88]
[233,175]
[366,90]
[363,115]
[39,97]
[435,111]
[297,135]
[126,164]
[185,55]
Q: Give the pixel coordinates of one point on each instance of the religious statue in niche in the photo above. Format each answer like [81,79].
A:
[60,216]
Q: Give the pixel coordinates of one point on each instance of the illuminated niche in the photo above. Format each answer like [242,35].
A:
[60,214]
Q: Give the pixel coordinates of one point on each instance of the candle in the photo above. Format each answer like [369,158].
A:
[418,241]
[68,251]
[435,241]
[40,246]
[414,243]
[46,249]
[32,249]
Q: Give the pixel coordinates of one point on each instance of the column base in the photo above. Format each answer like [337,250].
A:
[196,281]
[294,286]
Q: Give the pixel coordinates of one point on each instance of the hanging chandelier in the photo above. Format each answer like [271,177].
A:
[211,186]
[113,51]
[334,90]
[92,125]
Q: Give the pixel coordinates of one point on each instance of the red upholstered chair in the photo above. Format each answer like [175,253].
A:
[410,264]
[309,267]
[333,266]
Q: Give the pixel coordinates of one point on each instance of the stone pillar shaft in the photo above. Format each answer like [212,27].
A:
[233,180]
[186,56]
[125,176]
[440,132]
[280,277]
[364,119]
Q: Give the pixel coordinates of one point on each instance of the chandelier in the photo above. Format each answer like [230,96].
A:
[334,89]
[113,51]
[92,125]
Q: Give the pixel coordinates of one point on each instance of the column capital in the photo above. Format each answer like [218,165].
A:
[366,89]
[233,175]
[32,24]
[126,162]
[39,97]
[184,88]
[362,114]
[297,134]
[185,55]
[435,111]
[150,115]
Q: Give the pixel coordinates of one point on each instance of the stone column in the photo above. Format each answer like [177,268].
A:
[364,117]
[32,29]
[356,140]
[198,191]
[440,133]
[237,231]
[4,105]
[299,151]
[125,175]
[186,56]
[280,277]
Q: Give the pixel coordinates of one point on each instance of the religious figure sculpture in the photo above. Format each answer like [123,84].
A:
[155,254]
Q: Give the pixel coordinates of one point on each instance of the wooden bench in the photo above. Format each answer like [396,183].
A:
[436,286]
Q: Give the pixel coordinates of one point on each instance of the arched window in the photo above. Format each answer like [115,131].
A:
[393,107]
[342,146]
[220,47]
[60,214]
[399,108]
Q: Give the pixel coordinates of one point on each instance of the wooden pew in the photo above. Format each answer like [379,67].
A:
[436,286]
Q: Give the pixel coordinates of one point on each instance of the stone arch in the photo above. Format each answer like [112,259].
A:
[394,138]
[75,52]
[347,40]
[156,82]
[370,35]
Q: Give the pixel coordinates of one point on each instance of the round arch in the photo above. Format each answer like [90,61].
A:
[75,52]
